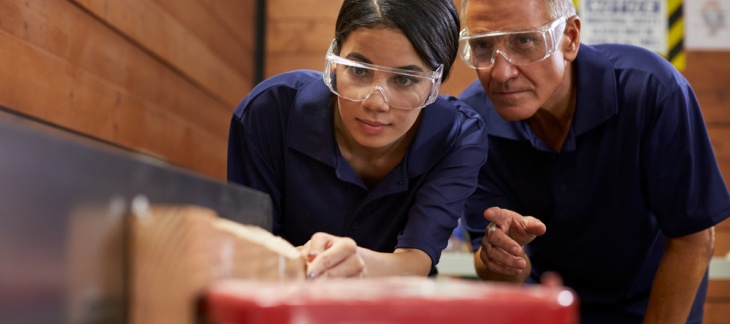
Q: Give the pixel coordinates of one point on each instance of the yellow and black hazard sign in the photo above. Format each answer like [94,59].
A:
[657,25]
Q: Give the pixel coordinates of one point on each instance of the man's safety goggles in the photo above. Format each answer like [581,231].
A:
[400,88]
[518,47]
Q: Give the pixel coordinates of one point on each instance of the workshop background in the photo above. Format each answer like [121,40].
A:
[160,78]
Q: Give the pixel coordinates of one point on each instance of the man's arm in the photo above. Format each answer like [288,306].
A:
[683,265]
[484,273]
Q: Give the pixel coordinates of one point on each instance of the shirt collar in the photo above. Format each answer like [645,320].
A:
[310,130]
[595,102]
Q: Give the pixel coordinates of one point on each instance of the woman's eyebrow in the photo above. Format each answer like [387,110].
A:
[362,58]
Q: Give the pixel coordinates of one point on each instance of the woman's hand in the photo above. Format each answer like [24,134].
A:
[332,256]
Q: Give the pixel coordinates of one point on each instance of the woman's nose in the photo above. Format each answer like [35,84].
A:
[376,99]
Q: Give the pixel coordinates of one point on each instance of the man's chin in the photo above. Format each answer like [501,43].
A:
[513,113]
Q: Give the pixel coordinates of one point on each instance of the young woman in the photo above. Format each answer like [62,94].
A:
[367,166]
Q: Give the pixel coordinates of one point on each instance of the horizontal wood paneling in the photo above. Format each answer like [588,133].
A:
[52,89]
[709,75]
[207,26]
[310,38]
[305,10]
[722,240]
[239,18]
[157,31]
[719,290]
[717,312]
[62,65]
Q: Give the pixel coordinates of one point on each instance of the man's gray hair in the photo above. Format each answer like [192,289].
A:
[556,8]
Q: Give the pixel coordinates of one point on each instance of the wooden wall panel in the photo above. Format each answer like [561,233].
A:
[717,312]
[709,75]
[298,33]
[64,66]
[214,33]
[157,31]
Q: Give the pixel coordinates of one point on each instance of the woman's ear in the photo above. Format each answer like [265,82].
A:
[571,38]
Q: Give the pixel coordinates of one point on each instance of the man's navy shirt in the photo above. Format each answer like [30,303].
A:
[636,166]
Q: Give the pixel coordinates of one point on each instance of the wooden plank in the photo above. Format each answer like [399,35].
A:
[45,87]
[709,75]
[718,290]
[722,242]
[716,312]
[308,10]
[723,226]
[195,15]
[173,43]
[61,66]
[298,38]
[83,41]
[238,16]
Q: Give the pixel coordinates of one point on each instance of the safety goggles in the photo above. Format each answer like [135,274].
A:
[518,47]
[400,88]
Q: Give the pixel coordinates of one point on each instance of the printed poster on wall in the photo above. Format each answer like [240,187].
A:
[636,22]
[707,24]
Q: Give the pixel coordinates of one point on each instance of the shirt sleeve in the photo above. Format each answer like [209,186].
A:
[446,186]
[256,143]
[488,193]
[686,189]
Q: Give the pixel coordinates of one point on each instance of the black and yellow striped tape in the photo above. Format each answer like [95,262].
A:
[675,53]
[675,33]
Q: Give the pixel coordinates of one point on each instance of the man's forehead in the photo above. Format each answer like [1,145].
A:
[482,22]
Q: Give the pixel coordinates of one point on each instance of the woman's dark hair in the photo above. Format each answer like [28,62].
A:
[432,26]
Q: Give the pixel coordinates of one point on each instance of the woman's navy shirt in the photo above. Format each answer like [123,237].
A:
[282,142]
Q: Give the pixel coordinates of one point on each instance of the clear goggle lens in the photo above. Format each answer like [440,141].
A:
[357,81]
[517,47]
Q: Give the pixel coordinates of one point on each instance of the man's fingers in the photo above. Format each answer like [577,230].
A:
[498,238]
[534,226]
[498,215]
[499,261]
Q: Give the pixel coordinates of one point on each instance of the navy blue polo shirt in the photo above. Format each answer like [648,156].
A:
[282,142]
[636,166]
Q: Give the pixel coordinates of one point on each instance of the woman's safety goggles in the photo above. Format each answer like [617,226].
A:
[400,88]
[517,47]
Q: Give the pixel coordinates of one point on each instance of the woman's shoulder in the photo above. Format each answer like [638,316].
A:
[279,91]
[292,80]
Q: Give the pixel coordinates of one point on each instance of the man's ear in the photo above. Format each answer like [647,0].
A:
[571,38]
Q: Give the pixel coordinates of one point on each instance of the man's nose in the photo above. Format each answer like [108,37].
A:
[502,69]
